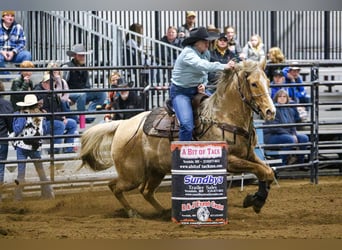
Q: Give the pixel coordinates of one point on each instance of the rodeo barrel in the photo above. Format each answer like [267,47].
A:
[199,186]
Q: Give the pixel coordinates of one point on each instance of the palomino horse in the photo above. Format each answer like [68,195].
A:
[143,160]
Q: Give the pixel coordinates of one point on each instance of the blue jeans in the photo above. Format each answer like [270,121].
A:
[81,99]
[286,139]
[23,154]
[181,100]
[20,57]
[3,156]
[95,98]
[60,129]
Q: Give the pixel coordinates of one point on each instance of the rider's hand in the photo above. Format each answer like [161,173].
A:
[201,88]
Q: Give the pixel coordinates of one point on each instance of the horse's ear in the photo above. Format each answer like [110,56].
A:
[263,64]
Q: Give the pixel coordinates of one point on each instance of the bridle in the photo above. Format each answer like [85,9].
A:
[251,103]
[225,127]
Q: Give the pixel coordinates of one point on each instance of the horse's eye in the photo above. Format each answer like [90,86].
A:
[254,85]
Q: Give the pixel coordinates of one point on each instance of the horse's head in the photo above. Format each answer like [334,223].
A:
[254,88]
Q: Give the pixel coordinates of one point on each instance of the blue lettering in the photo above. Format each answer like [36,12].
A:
[209,179]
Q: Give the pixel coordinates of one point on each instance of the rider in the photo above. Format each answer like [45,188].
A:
[190,75]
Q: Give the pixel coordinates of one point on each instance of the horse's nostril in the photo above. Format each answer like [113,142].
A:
[269,112]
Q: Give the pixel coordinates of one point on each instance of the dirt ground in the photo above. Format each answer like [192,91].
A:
[295,210]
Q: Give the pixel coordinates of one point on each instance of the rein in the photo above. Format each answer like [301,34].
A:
[225,127]
[251,103]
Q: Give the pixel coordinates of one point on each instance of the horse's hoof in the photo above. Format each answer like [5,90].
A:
[133,214]
[255,201]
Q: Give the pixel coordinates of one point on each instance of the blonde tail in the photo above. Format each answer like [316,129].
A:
[96,145]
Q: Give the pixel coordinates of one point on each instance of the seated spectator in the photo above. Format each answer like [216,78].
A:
[167,56]
[215,32]
[233,44]
[274,56]
[278,78]
[285,135]
[61,84]
[30,126]
[254,50]
[114,80]
[23,83]
[12,40]
[127,100]
[184,30]
[61,125]
[298,93]
[220,53]
[79,79]
[136,55]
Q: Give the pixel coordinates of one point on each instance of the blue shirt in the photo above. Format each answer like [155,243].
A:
[14,40]
[191,68]
[294,92]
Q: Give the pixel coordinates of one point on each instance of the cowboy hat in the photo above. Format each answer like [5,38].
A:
[78,49]
[46,77]
[198,34]
[29,100]
[122,83]
[294,66]
[212,28]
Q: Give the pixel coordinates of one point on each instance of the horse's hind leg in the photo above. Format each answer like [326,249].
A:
[148,190]
[118,192]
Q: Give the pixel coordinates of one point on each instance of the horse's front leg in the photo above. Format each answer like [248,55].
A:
[264,174]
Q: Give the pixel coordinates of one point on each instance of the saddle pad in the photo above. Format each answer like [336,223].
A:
[158,123]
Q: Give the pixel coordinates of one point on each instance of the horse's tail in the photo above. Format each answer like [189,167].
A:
[96,145]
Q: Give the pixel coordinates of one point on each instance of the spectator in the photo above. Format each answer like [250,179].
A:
[61,84]
[274,56]
[298,93]
[254,49]
[165,55]
[285,135]
[220,53]
[136,56]
[28,127]
[114,79]
[5,129]
[52,104]
[233,44]
[190,76]
[126,100]
[213,31]
[278,78]
[23,83]
[79,79]
[184,30]
[12,40]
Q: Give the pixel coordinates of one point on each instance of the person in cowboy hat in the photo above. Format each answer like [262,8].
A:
[79,79]
[190,75]
[29,126]
[12,40]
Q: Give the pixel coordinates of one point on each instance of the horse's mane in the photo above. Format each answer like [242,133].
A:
[226,81]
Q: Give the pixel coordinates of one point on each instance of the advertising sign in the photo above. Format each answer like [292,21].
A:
[199,183]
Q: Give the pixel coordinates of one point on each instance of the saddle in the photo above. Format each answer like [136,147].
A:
[162,121]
